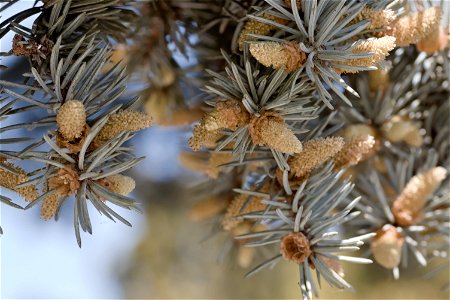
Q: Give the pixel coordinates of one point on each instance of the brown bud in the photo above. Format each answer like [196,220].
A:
[354,151]
[208,208]
[121,184]
[378,80]
[10,181]
[295,247]
[228,114]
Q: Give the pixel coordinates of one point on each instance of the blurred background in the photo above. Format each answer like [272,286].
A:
[164,255]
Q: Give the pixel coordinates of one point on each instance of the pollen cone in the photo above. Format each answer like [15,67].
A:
[409,204]
[71,119]
[272,131]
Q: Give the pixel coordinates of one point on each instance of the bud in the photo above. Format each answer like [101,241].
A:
[378,80]
[436,41]
[295,247]
[208,208]
[121,184]
[241,204]
[71,119]
[49,206]
[387,246]
[229,114]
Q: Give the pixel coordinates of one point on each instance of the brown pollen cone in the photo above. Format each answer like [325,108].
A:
[286,56]
[409,204]
[271,130]
[228,114]
[387,246]
[295,247]
[71,120]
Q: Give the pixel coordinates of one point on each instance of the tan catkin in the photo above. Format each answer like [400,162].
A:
[414,27]
[270,129]
[125,120]
[354,151]
[286,56]
[315,152]
[259,28]
[241,204]
[10,181]
[228,114]
[408,206]
[379,46]
[71,120]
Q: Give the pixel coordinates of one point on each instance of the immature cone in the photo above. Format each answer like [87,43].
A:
[286,56]
[354,151]
[125,120]
[414,27]
[409,204]
[255,27]
[228,114]
[387,246]
[10,180]
[379,46]
[121,184]
[358,130]
[436,41]
[378,80]
[315,152]
[295,247]
[271,130]
[71,120]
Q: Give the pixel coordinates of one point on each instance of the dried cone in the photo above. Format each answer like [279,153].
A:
[295,247]
[354,151]
[10,180]
[409,204]
[126,120]
[286,56]
[271,130]
[436,41]
[71,120]
[379,46]
[255,27]
[387,246]
[414,27]
[228,114]
[315,153]
[379,80]
[121,184]
[66,182]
